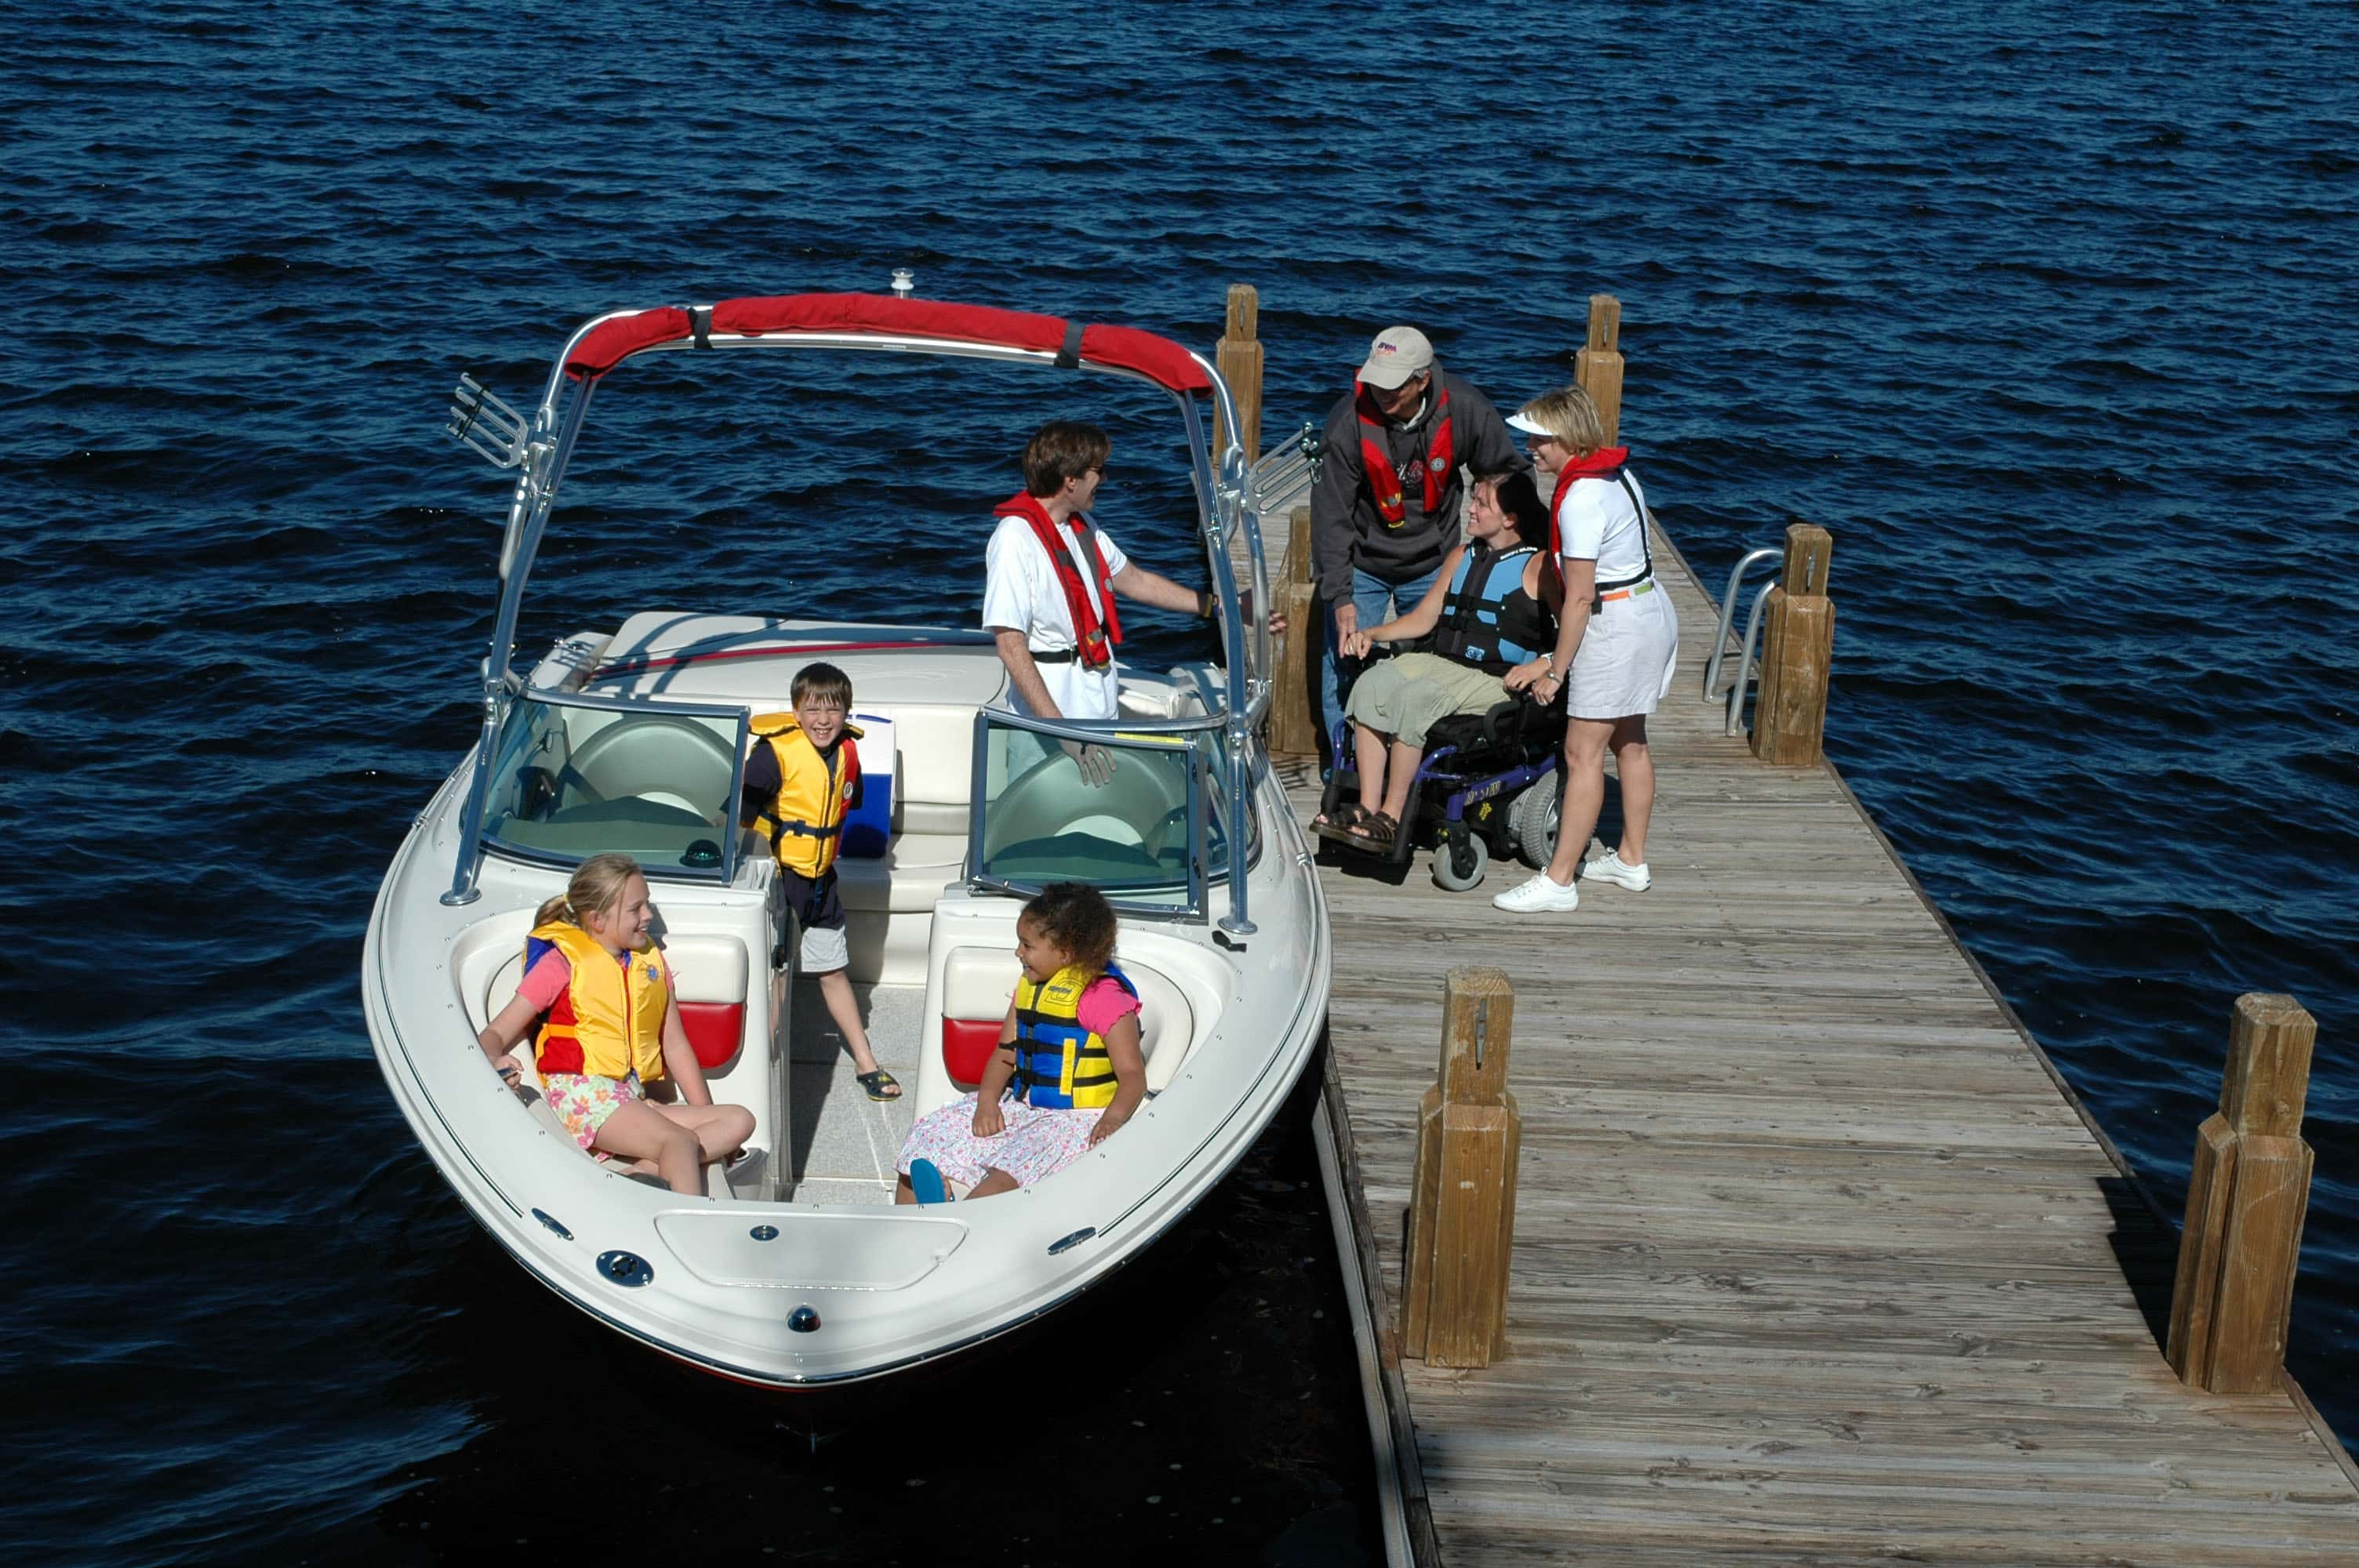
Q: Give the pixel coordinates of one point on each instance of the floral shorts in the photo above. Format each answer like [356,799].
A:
[583,1102]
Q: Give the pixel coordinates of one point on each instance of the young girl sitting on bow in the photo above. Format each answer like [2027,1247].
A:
[613,1027]
[1070,1047]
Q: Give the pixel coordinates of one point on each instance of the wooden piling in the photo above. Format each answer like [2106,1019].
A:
[1789,716]
[1293,707]
[2246,1200]
[1238,354]
[1462,1204]
[1598,366]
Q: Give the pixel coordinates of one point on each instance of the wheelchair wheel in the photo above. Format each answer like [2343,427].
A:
[1533,821]
[1460,859]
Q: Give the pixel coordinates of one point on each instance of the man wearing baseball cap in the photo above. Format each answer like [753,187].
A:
[1386,508]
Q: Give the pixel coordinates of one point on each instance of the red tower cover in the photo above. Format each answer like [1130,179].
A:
[1118,347]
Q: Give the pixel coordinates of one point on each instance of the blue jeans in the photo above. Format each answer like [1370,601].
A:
[1377,602]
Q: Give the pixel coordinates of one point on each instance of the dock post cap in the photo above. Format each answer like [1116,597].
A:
[2267,1081]
[1478,1010]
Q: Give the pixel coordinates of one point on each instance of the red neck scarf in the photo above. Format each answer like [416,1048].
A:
[1094,640]
[1384,481]
[1600,464]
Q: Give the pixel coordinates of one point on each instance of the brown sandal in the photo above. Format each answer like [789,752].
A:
[1342,824]
[1375,833]
[1346,814]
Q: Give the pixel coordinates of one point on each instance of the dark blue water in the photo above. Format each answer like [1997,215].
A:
[2049,314]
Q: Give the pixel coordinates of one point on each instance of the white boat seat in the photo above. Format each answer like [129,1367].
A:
[910,877]
[979,984]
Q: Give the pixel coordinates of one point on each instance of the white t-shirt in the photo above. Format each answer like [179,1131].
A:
[1598,523]
[1021,592]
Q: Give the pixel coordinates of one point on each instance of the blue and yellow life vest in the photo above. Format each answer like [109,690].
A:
[1487,619]
[804,821]
[1059,1066]
[610,1019]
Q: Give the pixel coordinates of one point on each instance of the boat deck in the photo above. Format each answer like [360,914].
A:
[846,1144]
[1815,1258]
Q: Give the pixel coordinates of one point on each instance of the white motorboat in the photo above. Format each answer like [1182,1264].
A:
[634,739]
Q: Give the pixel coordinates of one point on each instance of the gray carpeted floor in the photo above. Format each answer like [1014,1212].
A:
[845,1143]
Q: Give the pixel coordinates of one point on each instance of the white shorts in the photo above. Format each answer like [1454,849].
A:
[825,949]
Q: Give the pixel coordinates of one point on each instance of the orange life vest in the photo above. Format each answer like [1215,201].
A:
[609,1019]
[804,821]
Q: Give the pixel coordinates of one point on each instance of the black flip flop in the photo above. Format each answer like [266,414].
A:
[873,1082]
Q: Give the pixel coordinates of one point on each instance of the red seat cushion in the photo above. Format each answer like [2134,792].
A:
[967,1045]
[714,1029]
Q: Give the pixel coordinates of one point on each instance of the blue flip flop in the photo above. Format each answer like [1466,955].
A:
[927,1182]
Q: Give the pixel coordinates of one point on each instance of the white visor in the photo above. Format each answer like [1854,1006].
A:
[1527,424]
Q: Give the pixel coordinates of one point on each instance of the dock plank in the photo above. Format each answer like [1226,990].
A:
[1815,1261]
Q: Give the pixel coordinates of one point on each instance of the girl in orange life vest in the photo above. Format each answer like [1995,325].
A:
[624,1021]
[1074,1022]
[1616,650]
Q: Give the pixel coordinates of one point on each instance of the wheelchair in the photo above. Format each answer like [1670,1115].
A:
[1488,788]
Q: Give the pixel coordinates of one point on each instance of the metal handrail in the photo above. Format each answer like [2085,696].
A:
[1282,466]
[1727,618]
[1735,722]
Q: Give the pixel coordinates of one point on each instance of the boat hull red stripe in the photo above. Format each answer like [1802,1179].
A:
[673,660]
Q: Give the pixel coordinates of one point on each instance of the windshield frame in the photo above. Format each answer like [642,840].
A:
[1203,788]
[732,835]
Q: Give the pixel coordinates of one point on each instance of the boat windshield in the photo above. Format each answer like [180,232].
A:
[1150,835]
[580,776]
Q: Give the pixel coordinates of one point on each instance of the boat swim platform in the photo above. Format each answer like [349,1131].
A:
[1816,1257]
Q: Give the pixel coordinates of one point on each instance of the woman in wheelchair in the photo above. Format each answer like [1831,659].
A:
[1492,615]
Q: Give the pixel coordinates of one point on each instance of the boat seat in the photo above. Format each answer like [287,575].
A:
[907,878]
[979,984]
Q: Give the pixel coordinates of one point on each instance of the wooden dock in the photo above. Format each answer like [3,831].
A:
[1816,1258]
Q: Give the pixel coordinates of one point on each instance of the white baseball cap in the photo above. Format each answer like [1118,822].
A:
[1397,353]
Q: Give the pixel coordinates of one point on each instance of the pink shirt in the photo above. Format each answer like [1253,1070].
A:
[1103,1005]
[547,981]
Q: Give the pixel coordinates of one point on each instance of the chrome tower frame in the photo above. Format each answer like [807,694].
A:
[1221,483]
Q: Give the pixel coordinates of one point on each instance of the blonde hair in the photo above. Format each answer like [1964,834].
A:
[596,887]
[1569,415]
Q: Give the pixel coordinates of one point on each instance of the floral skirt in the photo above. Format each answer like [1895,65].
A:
[583,1102]
[1035,1143]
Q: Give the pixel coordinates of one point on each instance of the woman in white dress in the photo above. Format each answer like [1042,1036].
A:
[1616,647]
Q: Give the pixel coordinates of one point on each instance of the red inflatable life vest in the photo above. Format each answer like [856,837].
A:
[1094,642]
[1606,462]
[1384,481]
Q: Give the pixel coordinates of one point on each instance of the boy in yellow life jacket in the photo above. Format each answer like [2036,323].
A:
[803,777]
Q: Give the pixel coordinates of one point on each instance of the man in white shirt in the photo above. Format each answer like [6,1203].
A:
[1052,575]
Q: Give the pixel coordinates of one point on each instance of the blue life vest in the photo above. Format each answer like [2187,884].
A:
[1059,1066]
[1487,619]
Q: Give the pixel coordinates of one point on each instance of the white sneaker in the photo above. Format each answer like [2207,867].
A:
[1539,896]
[1609,868]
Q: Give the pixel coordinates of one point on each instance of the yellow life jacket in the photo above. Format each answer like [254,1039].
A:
[804,821]
[1059,1066]
[610,1019]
